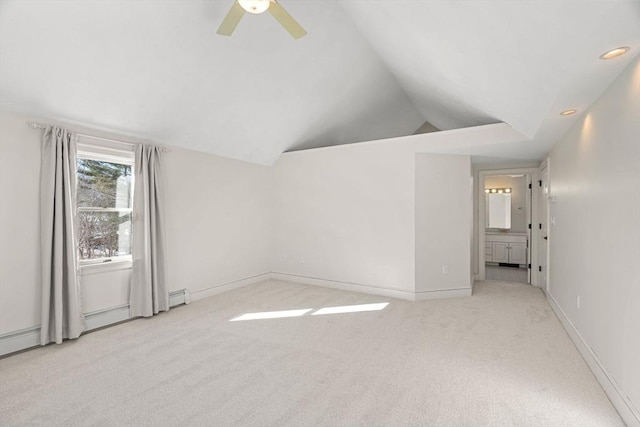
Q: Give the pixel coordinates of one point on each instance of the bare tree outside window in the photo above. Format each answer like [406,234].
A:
[104,209]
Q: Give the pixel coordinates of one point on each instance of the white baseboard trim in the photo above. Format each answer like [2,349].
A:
[442,293]
[109,316]
[19,340]
[344,286]
[629,414]
[30,337]
[225,287]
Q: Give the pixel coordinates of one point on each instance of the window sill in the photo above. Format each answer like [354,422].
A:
[103,267]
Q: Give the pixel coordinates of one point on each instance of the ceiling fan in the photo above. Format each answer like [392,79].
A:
[256,7]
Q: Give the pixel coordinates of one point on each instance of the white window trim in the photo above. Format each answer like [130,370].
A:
[94,148]
[116,263]
[105,158]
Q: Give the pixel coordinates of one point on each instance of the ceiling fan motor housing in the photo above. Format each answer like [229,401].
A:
[255,6]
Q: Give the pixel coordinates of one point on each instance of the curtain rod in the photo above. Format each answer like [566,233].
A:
[35,125]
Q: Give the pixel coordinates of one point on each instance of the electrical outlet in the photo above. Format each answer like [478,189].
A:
[553,220]
[578,301]
[445,269]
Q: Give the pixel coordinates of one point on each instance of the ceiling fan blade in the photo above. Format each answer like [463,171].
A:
[286,20]
[230,21]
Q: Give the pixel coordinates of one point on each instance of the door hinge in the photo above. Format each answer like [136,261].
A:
[529,266]
[529,186]
[540,226]
[529,226]
[540,183]
[539,268]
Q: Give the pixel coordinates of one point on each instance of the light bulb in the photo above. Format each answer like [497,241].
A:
[255,6]
[486,190]
[507,190]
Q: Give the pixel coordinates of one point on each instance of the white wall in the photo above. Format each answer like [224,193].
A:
[218,225]
[349,212]
[595,244]
[19,225]
[218,219]
[443,212]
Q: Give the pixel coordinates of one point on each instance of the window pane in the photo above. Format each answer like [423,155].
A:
[104,184]
[104,234]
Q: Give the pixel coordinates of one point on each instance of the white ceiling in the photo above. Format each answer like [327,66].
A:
[366,70]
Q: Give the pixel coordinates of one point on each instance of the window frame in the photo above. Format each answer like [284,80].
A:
[99,149]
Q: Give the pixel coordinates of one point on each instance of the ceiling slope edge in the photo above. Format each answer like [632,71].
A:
[463,141]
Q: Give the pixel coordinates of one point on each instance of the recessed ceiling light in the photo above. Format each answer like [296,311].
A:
[568,112]
[613,53]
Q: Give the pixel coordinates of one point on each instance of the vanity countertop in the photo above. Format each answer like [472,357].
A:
[498,233]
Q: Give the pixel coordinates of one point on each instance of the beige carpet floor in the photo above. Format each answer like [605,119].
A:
[498,358]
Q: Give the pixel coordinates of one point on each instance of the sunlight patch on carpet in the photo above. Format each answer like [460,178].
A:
[272,314]
[351,308]
[302,312]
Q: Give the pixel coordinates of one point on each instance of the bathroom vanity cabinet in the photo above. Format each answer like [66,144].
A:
[505,248]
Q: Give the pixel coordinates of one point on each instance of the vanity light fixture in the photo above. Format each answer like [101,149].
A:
[568,112]
[614,53]
[497,190]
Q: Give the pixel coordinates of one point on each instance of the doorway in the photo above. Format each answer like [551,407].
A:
[506,214]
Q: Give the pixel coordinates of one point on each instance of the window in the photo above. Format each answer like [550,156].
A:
[105,201]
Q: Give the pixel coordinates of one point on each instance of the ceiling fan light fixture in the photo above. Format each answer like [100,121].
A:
[255,6]
[240,7]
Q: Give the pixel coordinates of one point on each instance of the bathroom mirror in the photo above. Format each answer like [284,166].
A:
[498,210]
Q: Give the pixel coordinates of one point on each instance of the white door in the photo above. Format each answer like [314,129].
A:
[500,252]
[529,208]
[517,253]
[543,226]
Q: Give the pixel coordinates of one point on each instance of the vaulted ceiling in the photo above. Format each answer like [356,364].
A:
[366,69]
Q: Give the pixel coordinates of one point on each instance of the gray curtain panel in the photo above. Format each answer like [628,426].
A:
[61,311]
[149,289]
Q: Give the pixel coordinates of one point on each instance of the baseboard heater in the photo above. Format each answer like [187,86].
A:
[179,297]
[28,338]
